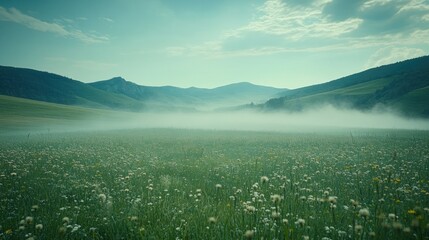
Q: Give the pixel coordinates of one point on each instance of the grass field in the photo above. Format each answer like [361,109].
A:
[19,114]
[185,184]
[26,115]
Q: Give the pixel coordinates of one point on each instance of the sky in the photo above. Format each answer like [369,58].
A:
[210,43]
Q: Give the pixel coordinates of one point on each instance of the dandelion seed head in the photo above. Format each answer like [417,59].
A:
[364,212]
[358,228]
[102,197]
[264,179]
[276,198]
[250,209]
[29,220]
[39,226]
[332,199]
[212,220]
[249,234]
[275,215]
[300,222]
[66,220]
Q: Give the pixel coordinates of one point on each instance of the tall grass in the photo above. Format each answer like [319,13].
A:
[177,184]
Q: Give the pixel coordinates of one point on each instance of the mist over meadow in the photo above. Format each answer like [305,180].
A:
[323,119]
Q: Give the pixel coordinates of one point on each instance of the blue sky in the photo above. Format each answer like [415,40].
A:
[207,43]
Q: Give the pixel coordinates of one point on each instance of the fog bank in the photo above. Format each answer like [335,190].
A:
[324,118]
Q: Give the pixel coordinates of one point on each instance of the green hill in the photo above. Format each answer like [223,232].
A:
[25,114]
[400,87]
[48,87]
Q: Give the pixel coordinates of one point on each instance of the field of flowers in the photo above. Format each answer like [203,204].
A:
[183,184]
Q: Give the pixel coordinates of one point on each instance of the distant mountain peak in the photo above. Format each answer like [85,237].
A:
[117,79]
[245,85]
[242,83]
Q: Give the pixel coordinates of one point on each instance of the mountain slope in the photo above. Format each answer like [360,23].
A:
[121,86]
[398,86]
[20,114]
[48,87]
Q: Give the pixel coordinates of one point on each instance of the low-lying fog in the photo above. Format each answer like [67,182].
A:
[323,119]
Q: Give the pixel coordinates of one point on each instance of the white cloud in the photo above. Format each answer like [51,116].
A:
[419,5]
[277,19]
[14,15]
[107,19]
[293,24]
[389,55]
[374,3]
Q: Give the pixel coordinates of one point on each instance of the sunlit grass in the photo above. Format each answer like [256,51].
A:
[177,184]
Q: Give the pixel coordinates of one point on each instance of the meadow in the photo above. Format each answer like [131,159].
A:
[198,184]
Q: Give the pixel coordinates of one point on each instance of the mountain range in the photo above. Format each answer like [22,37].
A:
[402,87]
[168,97]
[119,94]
